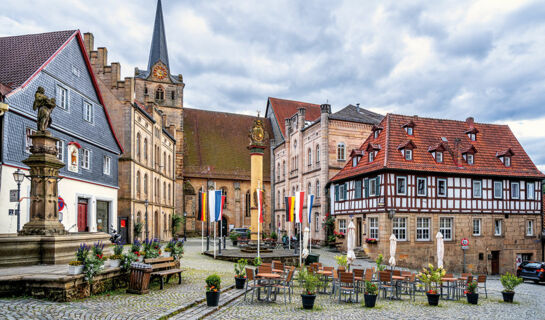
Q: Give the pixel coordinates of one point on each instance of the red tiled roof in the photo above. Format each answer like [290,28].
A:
[22,56]
[491,140]
[215,145]
[284,109]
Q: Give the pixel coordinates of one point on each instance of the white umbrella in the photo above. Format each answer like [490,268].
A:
[350,243]
[440,249]
[393,247]
[306,234]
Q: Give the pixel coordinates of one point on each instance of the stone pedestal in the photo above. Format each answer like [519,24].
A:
[44,177]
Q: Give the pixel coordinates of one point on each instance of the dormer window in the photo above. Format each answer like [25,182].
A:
[406,149]
[469,155]
[409,128]
[472,132]
[372,150]
[472,136]
[439,157]
[371,156]
[408,154]
[470,159]
[356,156]
[507,161]
[355,161]
[505,157]
[376,131]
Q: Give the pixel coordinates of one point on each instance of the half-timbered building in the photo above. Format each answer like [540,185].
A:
[414,177]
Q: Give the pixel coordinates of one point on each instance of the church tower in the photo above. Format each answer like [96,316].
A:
[157,86]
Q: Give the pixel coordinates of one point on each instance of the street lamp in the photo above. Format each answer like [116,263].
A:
[18,176]
[146,203]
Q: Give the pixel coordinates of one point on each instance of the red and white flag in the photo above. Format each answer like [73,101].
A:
[299,201]
[260,205]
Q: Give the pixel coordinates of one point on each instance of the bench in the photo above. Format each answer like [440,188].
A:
[164,267]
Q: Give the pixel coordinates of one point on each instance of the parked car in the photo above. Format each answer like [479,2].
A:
[521,265]
[532,271]
[243,232]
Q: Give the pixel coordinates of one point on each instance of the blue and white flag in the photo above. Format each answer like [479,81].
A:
[310,201]
[214,205]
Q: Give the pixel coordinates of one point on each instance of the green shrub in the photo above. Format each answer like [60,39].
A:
[309,281]
[342,260]
[213,283]
[509,281]
[378,261]
[240,268]
[370,288]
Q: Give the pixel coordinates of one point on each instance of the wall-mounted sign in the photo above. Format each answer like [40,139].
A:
[73,156]
[61,203]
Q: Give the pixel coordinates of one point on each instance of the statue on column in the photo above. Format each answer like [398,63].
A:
[45,107]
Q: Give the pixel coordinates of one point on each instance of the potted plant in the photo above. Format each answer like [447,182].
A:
[213,283]
[136,248]
[371,240]
[76,266]
[151,249]
[234,238]
[471,292]
[342,261]
[378,261]
[177,249]
[370,295]
[98,253]
[431,278]
[115,260]
[169,248]
[274,236]
[310,283]
[138,229]
[240,273]
[509,281]
[257,261]
[128,259]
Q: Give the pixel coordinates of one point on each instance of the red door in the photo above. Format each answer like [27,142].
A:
[82,216]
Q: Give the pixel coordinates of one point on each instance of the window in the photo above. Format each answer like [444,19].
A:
[138,139]
[317,189]
[498,189]
[373,228]
[371,156]
[87,111]
[376,134]
[477,188]
[399,228]
[60,150]
[423,229]
[442,187]
[445,227]
[409,130]
[164,191]
[340,152]
[469,159]
[62,97]
[316,222]
[146,149]
[172,95]
[106,167]
[278,172]
[507,161]
[421,187]
[476,227]
[247,204]
[342,225]
[472,136]
[146,184]
[317,154]
[145,90]
[439,157]
[168,166]
[401,185]
[28,139]
[294,144]
[355,161]
[515,190]
[159,94]
[530,228]
[342,192]
[138,183]
[284,169]
[497,227]
[309,156]
[309,189]
[85,159]
[357,189]
[408,154]
[372,187]
[530,190]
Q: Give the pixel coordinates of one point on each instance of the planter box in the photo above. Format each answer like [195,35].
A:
[73,270]
[370,300]
[115,263]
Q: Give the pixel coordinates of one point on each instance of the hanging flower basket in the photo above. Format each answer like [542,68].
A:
[371,240]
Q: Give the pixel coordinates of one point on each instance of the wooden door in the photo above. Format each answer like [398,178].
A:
[359,231]
[495,262]
[82,216]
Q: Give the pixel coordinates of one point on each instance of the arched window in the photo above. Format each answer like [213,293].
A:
[146,184]
[139,217]
[160,94]
[340,151]
[164,191]
[145,90]
[318,188]
[283,195]
[247,203]
[138,140]
[293,191]
[295,144]
[168,165]
[279,199]
[278,172]
[309,160]
[138,184]
[309,188]
[157,191]
[164,161]
[169,193]
[164,222]
[157,157]
[317,153]
[284,169]
[146,150]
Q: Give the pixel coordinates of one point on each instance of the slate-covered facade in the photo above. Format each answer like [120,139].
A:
[57,61]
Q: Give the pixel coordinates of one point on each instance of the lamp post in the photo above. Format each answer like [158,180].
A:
[18,176]
[185,225]
[146,203]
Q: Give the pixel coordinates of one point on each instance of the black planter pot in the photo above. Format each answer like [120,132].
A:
[239,283]
[508,296]
[433,299]
[472,298]
[212,298]
[308,300]
[370,300]
[235,242]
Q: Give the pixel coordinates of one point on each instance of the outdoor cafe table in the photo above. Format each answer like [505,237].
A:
[451,286]
[269,277]
[324,274]
[398,280]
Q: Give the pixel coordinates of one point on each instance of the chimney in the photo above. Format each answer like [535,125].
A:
[358,107]
[470,122]
[326,108]
[89,42]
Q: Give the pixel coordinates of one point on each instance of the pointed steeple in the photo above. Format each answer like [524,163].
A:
[158,51]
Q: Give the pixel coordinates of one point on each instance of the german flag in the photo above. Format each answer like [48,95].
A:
[202,207]
[290,206]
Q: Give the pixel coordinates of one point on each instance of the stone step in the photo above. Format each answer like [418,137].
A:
[201,310]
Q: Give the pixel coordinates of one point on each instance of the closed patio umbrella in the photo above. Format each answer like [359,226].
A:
[350,243]
[393,247]
[306,234]
[440,249]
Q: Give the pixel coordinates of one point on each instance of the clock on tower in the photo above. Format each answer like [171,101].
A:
[160,72]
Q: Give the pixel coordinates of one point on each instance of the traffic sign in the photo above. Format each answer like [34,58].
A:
[465,243]
[61,203]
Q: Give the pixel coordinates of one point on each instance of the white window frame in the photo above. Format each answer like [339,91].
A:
[317,153]
[438,187]
[342,225]
[107,165]
[372,187]
[62,103]
[513,194]
[409,130]
[507,161]
[478,183]
[408,153]
[316,222]
[496,195]
[399,228]
[425,187]
[470,159]
[28,139]
[85,159]
[354,161]
[472,136]
[373,227]
[404,179]
[530,194]
[87,111]
[371,156]
[479,225]
[498,223]
[60,150]
[530,228]
[376,134]
[341,192]
[422,227]
[439,157]
[317,189]
[443,227]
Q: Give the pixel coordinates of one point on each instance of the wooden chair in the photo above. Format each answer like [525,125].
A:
[462,283]
[347,285]
[264,268]
[251,283]
[359,278]
[334,283]
[396,273]
[385,283]
[369,275]
[481,283]
[277,267]
[164,267]
[285,284]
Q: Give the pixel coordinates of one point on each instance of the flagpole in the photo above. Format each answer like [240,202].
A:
[258,236]
[202,236]
[300,242]
[289,237]
[215,239]
[310,234]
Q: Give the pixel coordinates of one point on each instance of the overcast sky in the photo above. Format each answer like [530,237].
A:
[450,59]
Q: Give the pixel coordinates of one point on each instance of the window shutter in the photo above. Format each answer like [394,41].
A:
[366,184]
[357,189]
[378,186]
[345,191]
[336,193]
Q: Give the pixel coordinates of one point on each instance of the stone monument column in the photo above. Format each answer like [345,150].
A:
[257,149]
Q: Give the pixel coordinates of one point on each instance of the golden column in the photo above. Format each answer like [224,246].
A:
[257,149]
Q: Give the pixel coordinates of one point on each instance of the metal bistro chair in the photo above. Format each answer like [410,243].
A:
[251,283]
[462,283]
[285,284]
[385,283]
[359,278]
[334,283]
[278,267]
[347,285]
[481,280]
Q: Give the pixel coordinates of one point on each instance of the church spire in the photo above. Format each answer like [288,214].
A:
[158,51]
